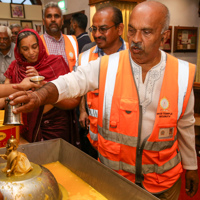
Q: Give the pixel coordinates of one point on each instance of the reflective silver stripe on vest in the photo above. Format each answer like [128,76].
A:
[94,136]
[183,76]
[93,113]
[132,141]
[117,137]
[163,168]
[115,165]
[109,88]
[159,146]
[74,45]
[85,57]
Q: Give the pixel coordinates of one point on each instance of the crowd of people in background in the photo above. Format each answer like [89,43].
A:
[117,101]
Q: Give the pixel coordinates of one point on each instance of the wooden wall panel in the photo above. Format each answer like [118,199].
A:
[91,2]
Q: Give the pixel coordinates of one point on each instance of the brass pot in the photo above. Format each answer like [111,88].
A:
[38,184]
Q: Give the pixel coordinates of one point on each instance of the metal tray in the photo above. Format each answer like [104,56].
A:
[110,184]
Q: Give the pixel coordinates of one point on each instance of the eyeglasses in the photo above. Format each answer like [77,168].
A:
[5,39]
[15,33]
[101,29]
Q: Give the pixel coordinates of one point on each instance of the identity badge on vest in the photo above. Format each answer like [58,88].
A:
[166,133]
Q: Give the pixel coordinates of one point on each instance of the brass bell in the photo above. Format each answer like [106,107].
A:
[9,117]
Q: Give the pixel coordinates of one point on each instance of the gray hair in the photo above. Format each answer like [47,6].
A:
[15,26]
[6,29]
[51,5]
[23,35]
[166,21]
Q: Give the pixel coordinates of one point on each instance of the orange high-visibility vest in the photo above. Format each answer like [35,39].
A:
[71,49]
[92,97]
[156,164]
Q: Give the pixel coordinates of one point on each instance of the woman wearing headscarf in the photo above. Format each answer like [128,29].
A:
[47,122]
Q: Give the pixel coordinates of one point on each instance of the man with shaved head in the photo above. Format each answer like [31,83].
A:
[145,113]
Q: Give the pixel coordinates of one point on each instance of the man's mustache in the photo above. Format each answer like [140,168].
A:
[53,24]
[100,37]
[136,45]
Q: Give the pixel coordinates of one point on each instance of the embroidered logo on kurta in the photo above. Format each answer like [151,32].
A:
[71,54]
[164,103]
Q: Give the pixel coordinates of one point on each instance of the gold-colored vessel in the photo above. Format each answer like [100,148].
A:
[20,179]
[107,182]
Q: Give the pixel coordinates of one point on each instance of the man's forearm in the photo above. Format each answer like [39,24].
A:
[83,119]
[82,105]
[68,104]
[48,94]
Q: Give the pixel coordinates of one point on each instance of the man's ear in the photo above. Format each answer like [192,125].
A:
[165,37]
[75,24]
[120,29]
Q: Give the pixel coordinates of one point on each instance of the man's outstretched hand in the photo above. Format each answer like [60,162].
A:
[29,100]
[48,94]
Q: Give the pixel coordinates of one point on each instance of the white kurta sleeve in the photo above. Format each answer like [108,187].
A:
[85,79]
[186,136]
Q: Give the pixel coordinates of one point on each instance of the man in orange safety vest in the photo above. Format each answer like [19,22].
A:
[146,106]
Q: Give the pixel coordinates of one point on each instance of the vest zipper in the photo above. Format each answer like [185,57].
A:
[138,174]
[138,165]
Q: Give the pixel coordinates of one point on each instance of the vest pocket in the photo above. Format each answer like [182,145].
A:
[168,163]
[167,154]
[128,118]
[108,149]
[111,147]
[92,99]
[128,105]
[93,125]
[95,93]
